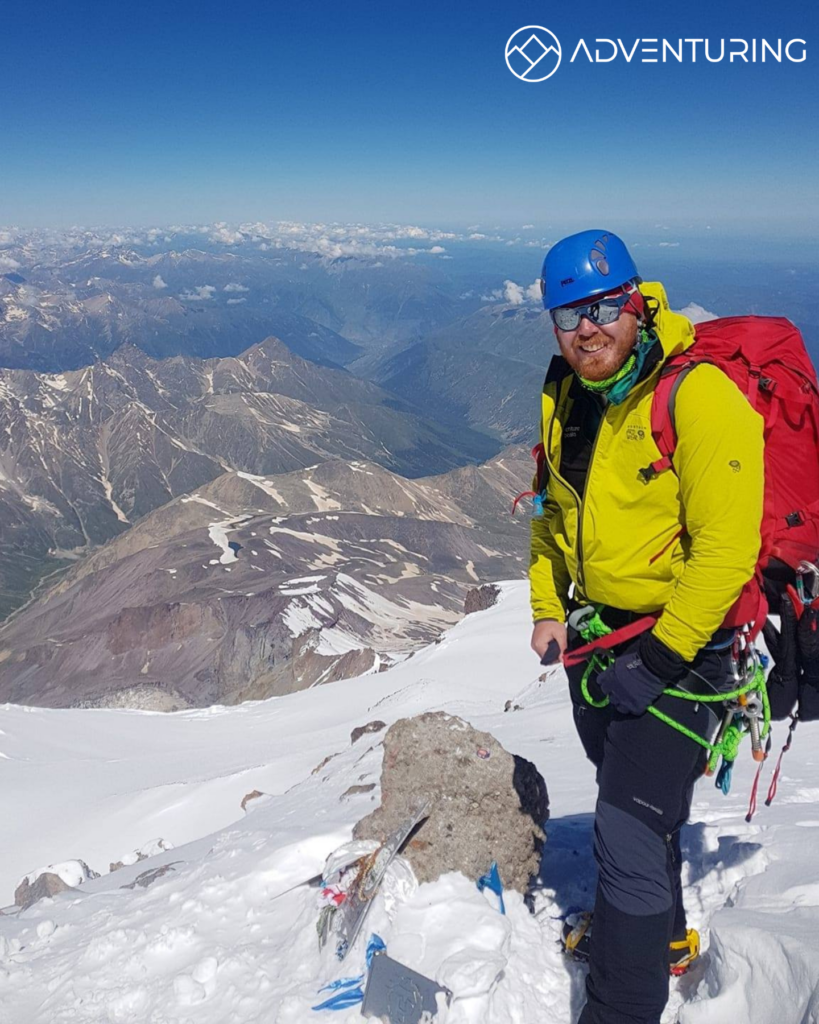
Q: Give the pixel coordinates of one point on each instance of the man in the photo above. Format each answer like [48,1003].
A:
[680,543]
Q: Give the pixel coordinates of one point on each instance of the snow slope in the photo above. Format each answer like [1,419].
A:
[223,936]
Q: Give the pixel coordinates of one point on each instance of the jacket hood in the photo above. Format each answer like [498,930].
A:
[675,331]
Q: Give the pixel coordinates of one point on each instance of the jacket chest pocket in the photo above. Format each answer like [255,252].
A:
[632,447]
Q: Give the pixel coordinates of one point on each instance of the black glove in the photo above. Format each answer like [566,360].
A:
[638,677]
[551,656]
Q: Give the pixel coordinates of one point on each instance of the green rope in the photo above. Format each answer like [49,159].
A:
[592,629]
[728,746]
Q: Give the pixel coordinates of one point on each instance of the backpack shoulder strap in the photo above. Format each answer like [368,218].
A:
[663,405]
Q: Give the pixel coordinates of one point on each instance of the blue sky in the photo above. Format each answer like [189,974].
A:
[135,113]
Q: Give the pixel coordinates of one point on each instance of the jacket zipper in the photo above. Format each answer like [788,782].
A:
[580,502]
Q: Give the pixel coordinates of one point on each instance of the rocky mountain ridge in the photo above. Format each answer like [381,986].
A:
[253,585]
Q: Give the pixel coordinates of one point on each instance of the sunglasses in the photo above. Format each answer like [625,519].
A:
[600,312]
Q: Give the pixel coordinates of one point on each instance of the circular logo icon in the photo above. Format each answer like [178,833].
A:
[533,53]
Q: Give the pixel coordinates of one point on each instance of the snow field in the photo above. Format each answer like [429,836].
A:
[227,933]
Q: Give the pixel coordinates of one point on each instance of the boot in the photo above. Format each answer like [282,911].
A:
[576,940]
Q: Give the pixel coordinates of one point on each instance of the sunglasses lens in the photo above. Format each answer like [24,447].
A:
[566,319]
[605,312]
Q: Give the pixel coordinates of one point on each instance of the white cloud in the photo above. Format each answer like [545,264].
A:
[200,293]
[528,227]
[234,286]
[227,236]
[334,240]
[669,245]
[7,263]
[319,241]
[513,293]
[235,302]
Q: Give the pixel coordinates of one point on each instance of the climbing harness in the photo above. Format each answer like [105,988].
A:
[747,708]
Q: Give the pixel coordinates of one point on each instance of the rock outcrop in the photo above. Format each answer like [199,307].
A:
[478,599]
[47,884]
[486,804]
[362,730]
[50,881]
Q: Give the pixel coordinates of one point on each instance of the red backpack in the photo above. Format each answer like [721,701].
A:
[766,358]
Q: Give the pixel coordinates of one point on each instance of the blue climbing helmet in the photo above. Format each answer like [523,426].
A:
[582,265]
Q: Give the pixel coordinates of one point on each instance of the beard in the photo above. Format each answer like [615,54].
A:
[599,357]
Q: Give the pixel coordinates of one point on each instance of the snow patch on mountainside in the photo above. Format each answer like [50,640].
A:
[323,501]
[263,484]
[218,534]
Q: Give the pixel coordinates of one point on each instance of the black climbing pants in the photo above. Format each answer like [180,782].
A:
[645,773]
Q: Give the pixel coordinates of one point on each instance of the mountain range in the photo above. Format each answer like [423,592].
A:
[63,309]
[484,372]
[88,452]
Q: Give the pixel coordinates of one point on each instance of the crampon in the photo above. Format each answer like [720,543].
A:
[576,942]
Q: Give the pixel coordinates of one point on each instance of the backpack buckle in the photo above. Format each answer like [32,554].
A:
[794,519]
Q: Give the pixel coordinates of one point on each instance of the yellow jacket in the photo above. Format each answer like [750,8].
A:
[684,542]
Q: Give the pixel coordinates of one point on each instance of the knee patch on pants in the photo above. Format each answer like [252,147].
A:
[633,862]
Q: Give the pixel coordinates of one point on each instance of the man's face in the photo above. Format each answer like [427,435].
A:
[597,351]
